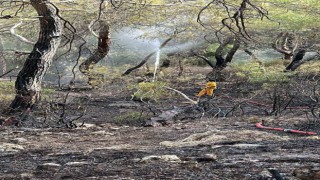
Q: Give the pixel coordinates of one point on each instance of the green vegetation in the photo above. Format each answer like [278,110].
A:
[261,72]
[131,117]
[146,91]
[6,91]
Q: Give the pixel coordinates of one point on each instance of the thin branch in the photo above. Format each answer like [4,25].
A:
[203,58]
[2,75]
[90,28]
[181,93]
[23,39]
[128,71]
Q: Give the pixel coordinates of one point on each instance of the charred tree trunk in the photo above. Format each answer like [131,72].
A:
[101,52]
[284,44]
[233,50]
[296,60]
[221,61]
[301,57]
[28,83]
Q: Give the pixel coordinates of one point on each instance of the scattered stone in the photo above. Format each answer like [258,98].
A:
[210,157]
[166,117]
[18,140]
[114,128]
[64,134]
[45,133]
[136,160]
[26,176]
[265,174]
[217,136]
[77,163]
[10,147]
[102,133]
[252,119]
[85,125]
[25,129]
[49,167]
[168,158]
[314,137]
[307,173]
[152,124]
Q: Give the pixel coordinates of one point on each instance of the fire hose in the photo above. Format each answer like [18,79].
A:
[210,86]
[261,126]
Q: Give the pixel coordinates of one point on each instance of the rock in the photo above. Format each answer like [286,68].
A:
[136,160]
[103,133]
[168,158]
[152,123]
[210,157]
[265,174]
[307,173]
[49,167]
[18,140]
[166,117]
[10,147]
[85,125]
[44,133]
[114,128]
[77,163]
[26,176]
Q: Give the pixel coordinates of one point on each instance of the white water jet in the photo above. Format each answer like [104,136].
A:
[156,64]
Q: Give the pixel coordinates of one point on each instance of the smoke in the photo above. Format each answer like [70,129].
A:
[128,47]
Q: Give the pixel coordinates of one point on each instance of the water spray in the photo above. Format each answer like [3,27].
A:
[156,64]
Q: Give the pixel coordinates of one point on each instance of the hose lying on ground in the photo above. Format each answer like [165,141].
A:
[261,126]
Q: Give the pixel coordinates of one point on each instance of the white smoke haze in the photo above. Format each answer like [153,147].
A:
[129,46]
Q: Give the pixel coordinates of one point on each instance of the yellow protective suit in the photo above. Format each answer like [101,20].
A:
[210,87]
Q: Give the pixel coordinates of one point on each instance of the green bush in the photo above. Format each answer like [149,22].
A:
[257,71]
[149,91]
[6,91]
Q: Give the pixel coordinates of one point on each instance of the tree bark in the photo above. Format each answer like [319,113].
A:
[233,50]
[28,83]
[221,62]
[300,58]
[284,45]
[102,50]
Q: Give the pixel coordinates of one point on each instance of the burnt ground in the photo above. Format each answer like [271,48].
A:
[110,141]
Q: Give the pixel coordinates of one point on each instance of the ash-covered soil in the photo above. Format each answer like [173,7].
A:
[110,141]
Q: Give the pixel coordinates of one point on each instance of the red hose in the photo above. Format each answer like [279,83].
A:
[261,126]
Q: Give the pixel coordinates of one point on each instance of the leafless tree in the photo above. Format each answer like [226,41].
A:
[28,83]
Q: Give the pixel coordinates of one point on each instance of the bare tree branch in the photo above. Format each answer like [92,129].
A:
[128,71]
[23,39]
